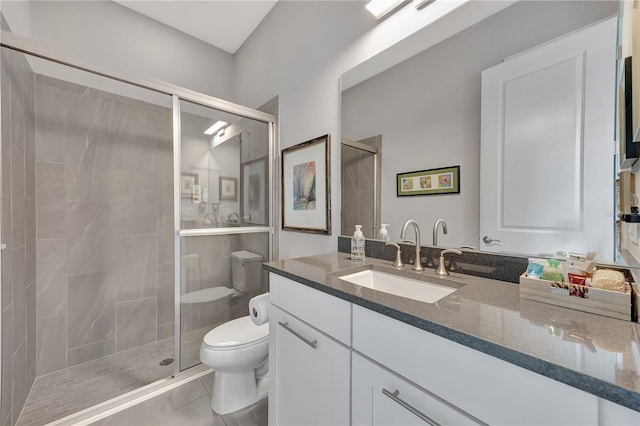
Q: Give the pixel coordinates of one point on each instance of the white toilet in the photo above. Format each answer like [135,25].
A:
[238,350]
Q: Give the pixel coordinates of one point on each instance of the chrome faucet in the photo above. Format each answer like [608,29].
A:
[417,266]
[435,230]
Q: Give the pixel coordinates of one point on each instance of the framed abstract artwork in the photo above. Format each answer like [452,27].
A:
[306,201]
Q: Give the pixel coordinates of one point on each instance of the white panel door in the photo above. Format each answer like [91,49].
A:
[547,147]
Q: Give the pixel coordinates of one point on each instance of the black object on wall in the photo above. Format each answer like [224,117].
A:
[628,146]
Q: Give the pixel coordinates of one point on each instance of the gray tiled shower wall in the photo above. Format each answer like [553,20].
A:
[18,233]
[104,195]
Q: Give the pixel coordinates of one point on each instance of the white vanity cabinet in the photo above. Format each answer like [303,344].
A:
[336,363]
[309,368]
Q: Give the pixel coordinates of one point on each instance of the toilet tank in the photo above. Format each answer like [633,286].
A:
[246,270]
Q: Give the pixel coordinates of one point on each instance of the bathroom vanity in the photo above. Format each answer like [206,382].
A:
[346,354]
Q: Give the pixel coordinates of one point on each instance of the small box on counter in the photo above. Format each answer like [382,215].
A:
[610,303]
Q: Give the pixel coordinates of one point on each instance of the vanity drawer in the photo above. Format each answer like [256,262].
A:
[380,397]
[324,312]
[492,390]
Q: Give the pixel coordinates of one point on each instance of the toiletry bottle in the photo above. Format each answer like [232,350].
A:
[357,244]
[383,234]
[553,271]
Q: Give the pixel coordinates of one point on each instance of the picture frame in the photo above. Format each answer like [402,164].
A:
[187,181]
[306,198]
[444,180]
[253,180]
[228,188]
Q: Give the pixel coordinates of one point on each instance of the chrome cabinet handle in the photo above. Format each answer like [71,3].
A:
[488,240]
[313,344]
[394,397]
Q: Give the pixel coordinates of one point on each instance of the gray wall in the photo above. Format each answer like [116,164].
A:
[427,109]
[18,233]
[107,34]
[104,195]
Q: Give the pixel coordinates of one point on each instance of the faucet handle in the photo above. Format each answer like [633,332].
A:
[442,270]
[398,262]
[454,251]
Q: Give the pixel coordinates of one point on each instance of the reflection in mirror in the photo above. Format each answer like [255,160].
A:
[224,173]
[360,165]
[427,110]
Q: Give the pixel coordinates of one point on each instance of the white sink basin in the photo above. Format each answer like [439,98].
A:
[399,285]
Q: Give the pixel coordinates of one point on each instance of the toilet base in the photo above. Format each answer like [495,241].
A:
[235,391]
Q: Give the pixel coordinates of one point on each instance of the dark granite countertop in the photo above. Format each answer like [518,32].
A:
[596,354]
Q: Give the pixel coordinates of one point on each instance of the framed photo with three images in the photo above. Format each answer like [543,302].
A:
[445,180]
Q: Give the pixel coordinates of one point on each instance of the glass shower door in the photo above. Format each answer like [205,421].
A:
[223,209]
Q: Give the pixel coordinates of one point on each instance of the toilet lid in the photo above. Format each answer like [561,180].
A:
[238,332]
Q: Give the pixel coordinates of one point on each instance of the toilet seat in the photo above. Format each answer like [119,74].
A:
[236,334]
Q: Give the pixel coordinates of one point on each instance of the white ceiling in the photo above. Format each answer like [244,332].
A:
[222,23]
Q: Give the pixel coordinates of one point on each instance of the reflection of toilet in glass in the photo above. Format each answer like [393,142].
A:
[237,350]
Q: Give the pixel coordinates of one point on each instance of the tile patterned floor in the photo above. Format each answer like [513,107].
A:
[186,405]
[67,391]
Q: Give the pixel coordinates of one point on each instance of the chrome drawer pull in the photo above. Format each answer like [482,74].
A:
[413,410]
[313,344]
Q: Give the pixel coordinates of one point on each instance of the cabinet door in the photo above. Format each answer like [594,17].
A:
[380,397]
[310,374]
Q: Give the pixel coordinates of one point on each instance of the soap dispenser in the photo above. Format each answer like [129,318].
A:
[357,244]
[383,234]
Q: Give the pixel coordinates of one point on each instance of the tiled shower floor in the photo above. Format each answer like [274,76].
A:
[67,391]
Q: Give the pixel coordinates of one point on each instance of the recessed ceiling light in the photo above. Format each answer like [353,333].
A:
[380,8]
[217,126]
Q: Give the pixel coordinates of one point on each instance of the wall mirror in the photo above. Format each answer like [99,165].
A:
[426,113]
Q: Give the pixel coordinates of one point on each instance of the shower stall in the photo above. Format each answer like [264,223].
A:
[121,207]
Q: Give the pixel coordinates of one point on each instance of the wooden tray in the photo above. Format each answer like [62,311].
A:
[609,303]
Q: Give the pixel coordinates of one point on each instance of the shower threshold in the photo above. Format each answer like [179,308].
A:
[122,402]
